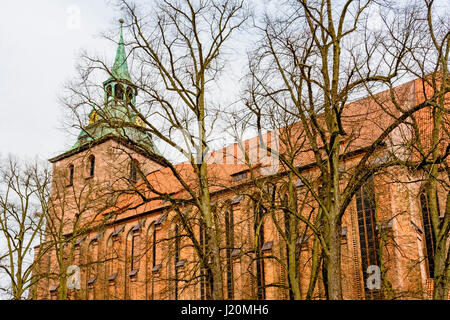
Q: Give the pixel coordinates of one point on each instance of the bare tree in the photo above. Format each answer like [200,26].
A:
[313,59]
[178,54]
[427,134]
[24,189]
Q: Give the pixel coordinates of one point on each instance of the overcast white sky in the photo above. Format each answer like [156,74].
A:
[39,45]
[40,42]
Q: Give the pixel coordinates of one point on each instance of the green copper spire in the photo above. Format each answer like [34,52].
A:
[122,121]
[120,67]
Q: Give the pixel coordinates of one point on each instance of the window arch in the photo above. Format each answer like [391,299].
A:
[71,173]
[229,239]
[131,260]
[430,238]
[110,256]
[259,256]
[131,251]
[368,234]
[108,91]
[91,166]
[110,265]
[118,92]
[115,265]
[206,280]
[92,267]
[287,232]
[177,258]
[150,261]
[134,165]
[129,94]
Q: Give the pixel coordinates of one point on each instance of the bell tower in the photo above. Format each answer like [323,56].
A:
[117,116]
[119,87]
[103,154]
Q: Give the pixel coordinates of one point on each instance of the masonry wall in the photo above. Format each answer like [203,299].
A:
[105,255]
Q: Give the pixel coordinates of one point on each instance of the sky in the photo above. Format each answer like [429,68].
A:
[39,47]
[40,44]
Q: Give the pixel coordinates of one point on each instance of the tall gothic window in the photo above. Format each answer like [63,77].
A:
[134,263]
[177,258]
[71,171]
[91,166]
[368,235]
[92,266]
[133,171]
[111,267]
[131,260]
[430,239]
[205,272]
[229,239]
[259,236]
[110,257]
[287,232]
[151,260]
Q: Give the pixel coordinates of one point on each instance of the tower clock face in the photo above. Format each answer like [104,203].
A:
[139,121]
[93,117]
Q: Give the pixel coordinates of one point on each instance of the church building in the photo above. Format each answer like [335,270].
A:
[107,242]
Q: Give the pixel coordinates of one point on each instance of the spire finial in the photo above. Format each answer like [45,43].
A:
[121,30]
[120,67]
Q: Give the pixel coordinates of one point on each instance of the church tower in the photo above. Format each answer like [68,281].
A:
[88,179]
[117,116]
[103,161]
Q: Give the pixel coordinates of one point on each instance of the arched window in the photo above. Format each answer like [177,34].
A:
[132,251]
[150,261]
[108,91]
[110,266]
[206,281]
[118,92]
[177,258]
[71,172]
[110,257]
[92,266]
[259,236]
[368,234]
[129,94]
[115,263]
[287,232]
[430,239]
[132,260]
[91,166]
[134,171]
[229,239]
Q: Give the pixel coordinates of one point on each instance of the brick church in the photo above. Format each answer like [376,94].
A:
[108,243]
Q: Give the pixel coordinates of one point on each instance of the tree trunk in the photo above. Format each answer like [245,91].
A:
[293,272]
[333,261]
[213,246]
[314,269]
